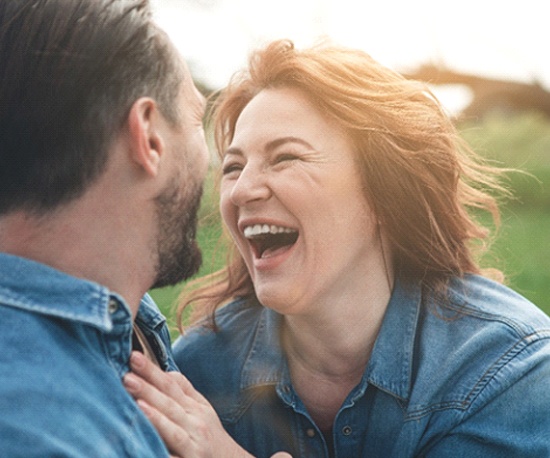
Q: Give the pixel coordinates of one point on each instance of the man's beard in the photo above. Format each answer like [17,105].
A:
[179,256]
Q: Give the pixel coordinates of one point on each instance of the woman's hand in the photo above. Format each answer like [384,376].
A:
[186,421]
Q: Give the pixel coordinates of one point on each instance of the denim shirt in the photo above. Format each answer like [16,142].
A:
[64,346]
[467,378]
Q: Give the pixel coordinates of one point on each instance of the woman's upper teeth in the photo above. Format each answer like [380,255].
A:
[260,229]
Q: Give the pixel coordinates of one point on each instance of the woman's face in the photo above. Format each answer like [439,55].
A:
[291,197]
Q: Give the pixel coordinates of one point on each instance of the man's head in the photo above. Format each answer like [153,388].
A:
[77,76]
[70,71]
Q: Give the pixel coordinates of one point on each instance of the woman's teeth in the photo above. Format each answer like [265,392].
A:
[261,229]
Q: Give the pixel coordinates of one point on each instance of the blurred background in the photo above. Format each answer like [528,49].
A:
[485,60]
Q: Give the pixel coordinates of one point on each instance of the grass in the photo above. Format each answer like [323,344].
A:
[522,248]
[522,252]
[520,142]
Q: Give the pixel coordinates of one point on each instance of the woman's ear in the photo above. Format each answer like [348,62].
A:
[146,144]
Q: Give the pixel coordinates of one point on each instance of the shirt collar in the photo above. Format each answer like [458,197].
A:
[149,315]
[265,364]
[38,288]
[390,365]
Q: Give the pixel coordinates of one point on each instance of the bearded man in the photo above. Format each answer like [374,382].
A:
[103,158]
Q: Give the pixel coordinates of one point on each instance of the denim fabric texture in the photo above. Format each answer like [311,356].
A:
[468,377]
[65,344]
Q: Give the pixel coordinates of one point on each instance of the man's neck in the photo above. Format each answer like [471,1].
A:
[84,244]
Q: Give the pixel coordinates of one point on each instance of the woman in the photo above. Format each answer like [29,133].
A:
[358,321]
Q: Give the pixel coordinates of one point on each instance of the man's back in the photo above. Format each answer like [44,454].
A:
[103,158]
[65,345]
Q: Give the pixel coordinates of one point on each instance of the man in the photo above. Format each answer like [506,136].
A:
[102,160]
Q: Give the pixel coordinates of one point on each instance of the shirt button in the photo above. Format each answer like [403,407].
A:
[346,430]
[310,432]
[113,306]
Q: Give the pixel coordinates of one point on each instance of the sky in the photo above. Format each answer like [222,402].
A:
[492,38]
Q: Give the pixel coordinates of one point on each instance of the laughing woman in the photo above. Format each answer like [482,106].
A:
[353,319]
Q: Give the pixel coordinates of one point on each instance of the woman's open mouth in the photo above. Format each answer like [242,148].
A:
[267,240]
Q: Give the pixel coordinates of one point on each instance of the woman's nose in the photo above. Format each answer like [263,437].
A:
[250,186]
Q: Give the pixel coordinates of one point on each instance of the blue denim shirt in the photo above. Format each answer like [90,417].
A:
[469,378]
[64,346]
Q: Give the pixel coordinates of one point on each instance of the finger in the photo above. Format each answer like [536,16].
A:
[176,438]
[281,455]
[169,383]
[173,407]
[184,384]
[148,371]
[187,387]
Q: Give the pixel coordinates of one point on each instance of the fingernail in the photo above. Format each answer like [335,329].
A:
[131,382]
[137,360]
[146,408]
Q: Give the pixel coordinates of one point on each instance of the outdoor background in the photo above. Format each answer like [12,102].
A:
[485,60]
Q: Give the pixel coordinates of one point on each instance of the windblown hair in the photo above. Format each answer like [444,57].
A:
[70,71]
[419,178]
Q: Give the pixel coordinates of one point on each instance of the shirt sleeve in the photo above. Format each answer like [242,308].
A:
[511,414]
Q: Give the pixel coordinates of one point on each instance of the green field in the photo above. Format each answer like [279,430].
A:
[522,248]
[522,252]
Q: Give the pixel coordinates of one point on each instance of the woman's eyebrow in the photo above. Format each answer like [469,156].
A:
[283,140]
[270,146]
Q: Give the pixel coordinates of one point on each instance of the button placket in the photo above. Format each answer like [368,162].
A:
[118,340]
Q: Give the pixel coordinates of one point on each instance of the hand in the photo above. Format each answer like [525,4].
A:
[185,420]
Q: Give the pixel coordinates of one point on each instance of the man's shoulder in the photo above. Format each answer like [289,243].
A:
[60,396]
[47,356]
[39,289]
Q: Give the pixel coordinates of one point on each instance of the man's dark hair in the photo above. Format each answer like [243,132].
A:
[70,71]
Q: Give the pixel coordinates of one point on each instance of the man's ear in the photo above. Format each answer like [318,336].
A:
[146,144]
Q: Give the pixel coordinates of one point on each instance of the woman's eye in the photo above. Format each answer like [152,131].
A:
[230,168]
[285,157]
